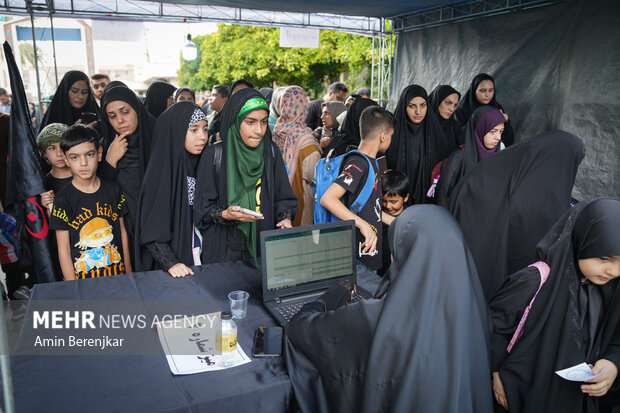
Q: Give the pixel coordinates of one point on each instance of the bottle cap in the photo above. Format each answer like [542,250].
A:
[226,315]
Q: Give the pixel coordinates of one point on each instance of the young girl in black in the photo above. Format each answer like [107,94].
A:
[165,236]
[574,318]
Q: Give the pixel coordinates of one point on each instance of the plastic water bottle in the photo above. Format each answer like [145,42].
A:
[226,340]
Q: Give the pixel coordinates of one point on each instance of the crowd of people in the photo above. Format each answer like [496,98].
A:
[168,184]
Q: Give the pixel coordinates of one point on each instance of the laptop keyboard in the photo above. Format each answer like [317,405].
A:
[289,310]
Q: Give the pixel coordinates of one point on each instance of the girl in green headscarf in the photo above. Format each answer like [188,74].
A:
[243,186]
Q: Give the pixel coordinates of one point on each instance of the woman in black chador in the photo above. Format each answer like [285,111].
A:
[418,142]
[508,202]
[243,172]
[127,134]
[72,98]
[482,92]
[420,345]
[574,318]
[443,100]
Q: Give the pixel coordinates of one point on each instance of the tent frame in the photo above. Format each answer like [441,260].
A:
[462,11]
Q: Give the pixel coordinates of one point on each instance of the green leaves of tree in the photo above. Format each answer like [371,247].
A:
[253,53]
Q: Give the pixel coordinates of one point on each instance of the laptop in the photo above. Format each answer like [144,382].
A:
[299,264]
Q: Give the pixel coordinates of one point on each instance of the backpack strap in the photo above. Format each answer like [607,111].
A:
[368,187]
[544,270]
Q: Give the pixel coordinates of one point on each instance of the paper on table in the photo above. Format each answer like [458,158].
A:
[191,349]
[180,365]
[580,372]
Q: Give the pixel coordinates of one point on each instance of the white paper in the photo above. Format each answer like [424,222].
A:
[580,372]
[190,348]
[180,365]
[299,37]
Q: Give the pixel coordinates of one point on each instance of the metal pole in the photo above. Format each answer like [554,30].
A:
[372,68]
[49,7]
[34,47]
[5,366]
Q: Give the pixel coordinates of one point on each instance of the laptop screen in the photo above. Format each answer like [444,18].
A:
[298,258]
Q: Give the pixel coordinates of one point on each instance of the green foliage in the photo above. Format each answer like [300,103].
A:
[253,53]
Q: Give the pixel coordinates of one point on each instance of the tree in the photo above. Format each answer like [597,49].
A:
[253,53]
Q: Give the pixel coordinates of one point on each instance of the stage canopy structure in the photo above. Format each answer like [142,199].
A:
[380,20]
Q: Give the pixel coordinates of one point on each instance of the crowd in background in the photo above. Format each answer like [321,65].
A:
[167,183]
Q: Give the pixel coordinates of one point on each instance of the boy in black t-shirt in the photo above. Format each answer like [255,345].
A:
[48,142]
[87,214]
[395,194]
[376,129]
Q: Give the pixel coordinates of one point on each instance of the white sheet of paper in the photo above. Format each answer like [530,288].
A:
[190,350]
[180,365]
[580,372]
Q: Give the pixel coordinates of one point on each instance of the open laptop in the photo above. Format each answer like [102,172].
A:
[299,264]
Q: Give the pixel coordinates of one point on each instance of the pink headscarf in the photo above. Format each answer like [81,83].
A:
[291,130]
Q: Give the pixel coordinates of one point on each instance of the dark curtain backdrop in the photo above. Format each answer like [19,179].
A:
[555,67]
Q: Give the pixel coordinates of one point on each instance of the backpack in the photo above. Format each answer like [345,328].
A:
[325,173]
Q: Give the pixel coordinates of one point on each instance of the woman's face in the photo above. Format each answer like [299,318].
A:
[327,119]
[185,95]
[416,109]
[196,137]
[485,92]
[448,105]
[78,94]
[492,138]
[349,101]
[122,117]
[253,127]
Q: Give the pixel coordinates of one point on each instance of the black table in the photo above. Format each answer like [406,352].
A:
[145,383]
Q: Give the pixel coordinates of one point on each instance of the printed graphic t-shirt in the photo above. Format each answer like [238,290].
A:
[352,179]
[94,228]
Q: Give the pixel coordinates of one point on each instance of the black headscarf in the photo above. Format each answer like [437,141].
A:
[469,103]
[419,346]
[463,160]
[157,96]
[60,110]
[164,213]
[450,126]
[556,334]
[350,135]
[416,148]
[267,93]
[238,82]
[508,202]
[140,140]
[112,84]
[184,89]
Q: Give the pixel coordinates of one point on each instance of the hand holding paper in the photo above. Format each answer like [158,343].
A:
[606,373]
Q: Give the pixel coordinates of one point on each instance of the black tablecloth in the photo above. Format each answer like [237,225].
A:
[145,383]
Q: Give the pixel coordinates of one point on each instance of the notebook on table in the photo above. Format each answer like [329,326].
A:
[299,264]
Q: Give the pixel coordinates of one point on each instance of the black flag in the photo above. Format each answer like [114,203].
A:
[25,182]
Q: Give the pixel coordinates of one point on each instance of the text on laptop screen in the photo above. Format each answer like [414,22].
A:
[299,258]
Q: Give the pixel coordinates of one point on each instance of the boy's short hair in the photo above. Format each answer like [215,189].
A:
[98,76]
[78,134]
[221,90]
[395,183]
[338,87]
[50,134]
[374,120]
[3,91]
